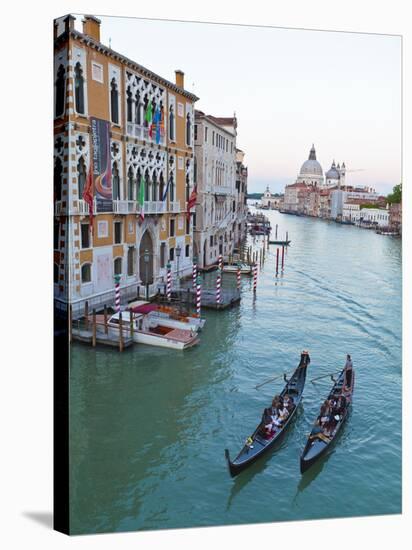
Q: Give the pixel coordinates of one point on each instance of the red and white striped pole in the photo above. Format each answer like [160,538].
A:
[238,277]
[198,296]
[255,272]
[283,256]
[169,282]
[277,261]
[194,273]
[220,262]
[218,286]
[117,293]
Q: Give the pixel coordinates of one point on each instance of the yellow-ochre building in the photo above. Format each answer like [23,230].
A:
[150,124]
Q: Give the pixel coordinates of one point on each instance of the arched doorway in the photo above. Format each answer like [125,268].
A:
[146,267]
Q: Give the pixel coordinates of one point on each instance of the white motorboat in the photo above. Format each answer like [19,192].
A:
[167,315]
[154,332]
[245,269]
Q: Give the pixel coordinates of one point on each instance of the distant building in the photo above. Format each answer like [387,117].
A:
[378,217]
[311,172]
[395,217]
[269,200]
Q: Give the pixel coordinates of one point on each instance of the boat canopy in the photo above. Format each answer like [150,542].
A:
[145,308]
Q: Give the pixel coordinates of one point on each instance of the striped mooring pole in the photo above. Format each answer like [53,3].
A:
[238,277]
[198,296]
[117,293]
[220,262]
[218,286]
[283,256]
[277,261]
[255,272]
[169,282]
[194,272]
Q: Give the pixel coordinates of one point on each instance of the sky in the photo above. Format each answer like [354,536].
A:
[289,88]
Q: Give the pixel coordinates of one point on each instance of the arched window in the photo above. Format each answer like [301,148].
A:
[172,187]
[139,107]
[155,187]
[147,186]
[115,182]
[114,101]
[79,89]
[130,184]
[161,187]
[56,273]
[81,176]
[60,90]
[171,124]
[188,130]
[86,273]
[194,170]
[57,179]
[129,105]
[117,266]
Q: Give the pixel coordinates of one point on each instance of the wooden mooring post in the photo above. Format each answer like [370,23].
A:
[131,324]
[86,314]
[120,332]
[106,328]
[94,328]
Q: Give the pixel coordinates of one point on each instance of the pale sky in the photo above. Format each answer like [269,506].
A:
[289,89]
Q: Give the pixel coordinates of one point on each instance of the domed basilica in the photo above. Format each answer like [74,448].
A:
[311,173]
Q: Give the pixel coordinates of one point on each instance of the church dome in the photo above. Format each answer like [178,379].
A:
[332,173]
[311,167]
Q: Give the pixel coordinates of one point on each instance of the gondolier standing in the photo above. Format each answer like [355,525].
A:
[348,373]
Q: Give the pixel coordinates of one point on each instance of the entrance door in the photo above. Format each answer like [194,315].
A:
[146,268]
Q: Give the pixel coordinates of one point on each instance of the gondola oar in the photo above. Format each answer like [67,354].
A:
[272,379]
[325,376]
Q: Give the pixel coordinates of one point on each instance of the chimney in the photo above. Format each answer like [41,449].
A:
[91,27]
[180,78]
[69,23]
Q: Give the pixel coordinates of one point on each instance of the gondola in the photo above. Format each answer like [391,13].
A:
[284,242]
[257,444]
[318,442]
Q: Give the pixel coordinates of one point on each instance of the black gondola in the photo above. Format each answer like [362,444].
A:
[284,242]
[259,443]
[319,442]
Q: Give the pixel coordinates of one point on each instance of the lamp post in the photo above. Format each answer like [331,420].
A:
[146,258]
[178,252]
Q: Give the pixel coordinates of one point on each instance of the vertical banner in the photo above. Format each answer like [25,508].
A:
[102,168]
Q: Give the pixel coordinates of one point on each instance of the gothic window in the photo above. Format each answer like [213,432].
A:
[130,184]
[138,113]
[194,170]
[129,105]
[114,101]
[147,186]
[60,89]
[171,124]
[79,89]
[172,188]
[81,176]
[57,180]
[161,187]
[115,182]
[155,187]
[86,273]
[188,130]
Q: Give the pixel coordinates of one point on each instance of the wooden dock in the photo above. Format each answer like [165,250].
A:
[86,336]
[229,298]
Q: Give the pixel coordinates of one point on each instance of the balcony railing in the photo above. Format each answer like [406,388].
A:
[142,132]
[124,207]
[83,207]
[174,206]
[154,207]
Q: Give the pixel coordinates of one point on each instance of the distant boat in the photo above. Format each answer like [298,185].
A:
[258,443]
[284,242]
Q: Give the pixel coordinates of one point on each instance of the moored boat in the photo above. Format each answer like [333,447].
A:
[260,442]
[285,242]
[325,432]
[153,332]
[245,269]
[167,315]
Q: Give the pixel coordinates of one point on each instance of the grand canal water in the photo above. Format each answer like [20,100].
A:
[149,426]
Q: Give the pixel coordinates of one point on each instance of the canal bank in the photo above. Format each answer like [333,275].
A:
[151,425]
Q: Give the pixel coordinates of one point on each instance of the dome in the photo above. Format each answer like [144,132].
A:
[332,173]
[311,167]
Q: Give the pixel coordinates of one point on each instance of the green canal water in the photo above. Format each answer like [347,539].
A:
[148,427]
